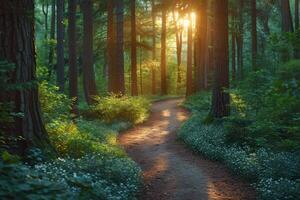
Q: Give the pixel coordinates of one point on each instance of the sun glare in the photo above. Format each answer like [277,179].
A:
[187,20]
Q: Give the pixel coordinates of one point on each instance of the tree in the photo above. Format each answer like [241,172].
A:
[134,89]
[296,14]
[189,74]
[163,52]
[201,46]
[52,38]
[73,72]
[60,46]
[240,40]
[287,24]
[120,47]
[178,34]
[153,68]
[233,45]
[112,79]
[220,98]
[18,47]
[254,34]
[286,16]
[89,83]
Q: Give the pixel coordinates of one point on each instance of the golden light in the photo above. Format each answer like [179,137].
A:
[185,23]
[187,20]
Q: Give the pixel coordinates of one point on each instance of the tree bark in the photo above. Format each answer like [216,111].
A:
[178,34]
[73,72]
[254,34]
[163,53]
[112,74]
[286,16]
[189,74]
[60,46]
[153,68]
[89,83]
[120,47]
[240,42]
[52,38]
[296,14]
[233,55]
[233,46]
[201,47]
[17,46]
[134,88]
[220,97]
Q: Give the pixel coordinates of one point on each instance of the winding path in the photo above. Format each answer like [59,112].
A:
[170,170]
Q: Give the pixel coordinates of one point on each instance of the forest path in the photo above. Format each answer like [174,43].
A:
[170,170]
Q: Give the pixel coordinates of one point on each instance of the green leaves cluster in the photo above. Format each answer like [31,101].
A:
[270,117]
[121,108]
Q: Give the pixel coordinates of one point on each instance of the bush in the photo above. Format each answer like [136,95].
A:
[114,108]
[76,140]
[54,105]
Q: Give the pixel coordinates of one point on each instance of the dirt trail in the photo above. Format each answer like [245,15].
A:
[171,171]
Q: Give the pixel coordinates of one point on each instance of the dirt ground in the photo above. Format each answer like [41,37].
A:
[170,170]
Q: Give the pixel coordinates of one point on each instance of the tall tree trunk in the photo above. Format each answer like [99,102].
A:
[297,50]
[89,83]
[189,74]
[178,34]
[163,53]
[233,45]
[254,34]
[134,88]
[201,47]
[233,55]
[17,46]
[153,68]
[60,46]
[73,72]
[286,16]
[287,24]
[141,68]
[240,42]
[112,74]
[296,14]
[45,9]
[120,47]
[220,98]
[52,37]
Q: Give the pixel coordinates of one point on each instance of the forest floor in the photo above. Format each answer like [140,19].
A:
[171,171]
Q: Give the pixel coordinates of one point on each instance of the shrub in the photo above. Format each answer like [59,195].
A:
[54,105]
[76,140]
[114,108]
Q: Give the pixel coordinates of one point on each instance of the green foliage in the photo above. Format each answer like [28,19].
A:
[19,181]
[91,164]
[125,108]
[198,102]
[76,140]
[275,174]
[54,105]
[269,113]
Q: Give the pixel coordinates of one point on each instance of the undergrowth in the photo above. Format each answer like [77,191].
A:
[91,165]
[260,141]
